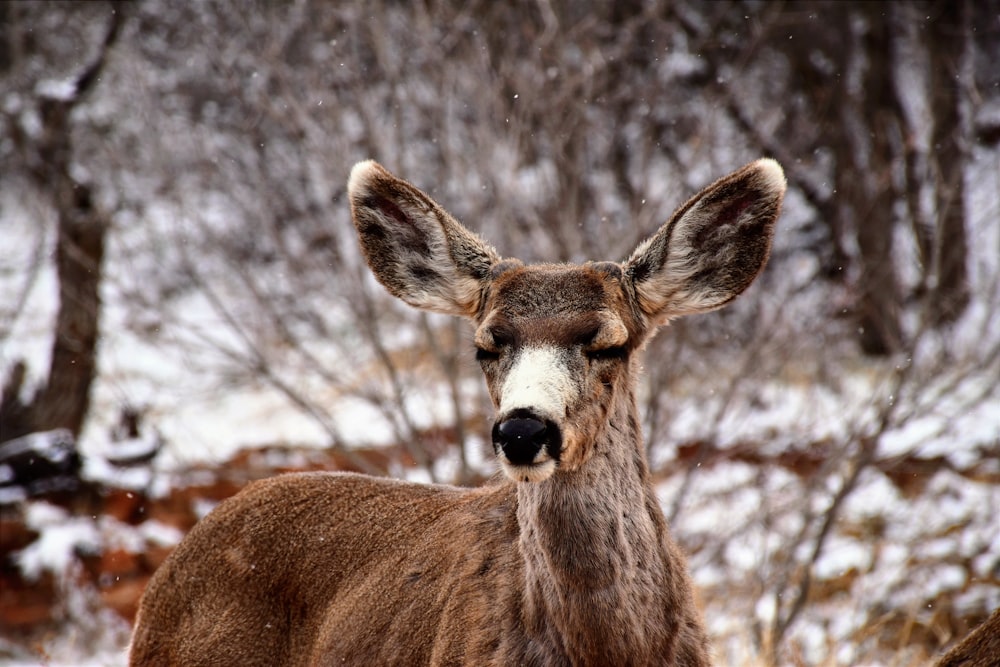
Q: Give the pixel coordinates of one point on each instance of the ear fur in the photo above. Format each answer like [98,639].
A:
[418,251]
[712,248]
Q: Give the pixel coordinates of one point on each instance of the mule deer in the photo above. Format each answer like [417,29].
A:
[568,559]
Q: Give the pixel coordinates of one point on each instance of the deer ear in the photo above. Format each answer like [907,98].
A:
[712,248]
[414,247]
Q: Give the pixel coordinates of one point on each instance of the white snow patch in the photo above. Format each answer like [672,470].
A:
[60,538]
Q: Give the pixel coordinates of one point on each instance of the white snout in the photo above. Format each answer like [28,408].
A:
[538,381]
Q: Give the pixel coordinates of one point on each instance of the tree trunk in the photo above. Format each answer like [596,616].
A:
[865,181]
[64,399]
[946,45]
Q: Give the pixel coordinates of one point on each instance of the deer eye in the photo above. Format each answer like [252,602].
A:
[491,342]
[482,354]
[617,352]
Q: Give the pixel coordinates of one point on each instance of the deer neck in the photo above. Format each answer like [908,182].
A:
[593,546]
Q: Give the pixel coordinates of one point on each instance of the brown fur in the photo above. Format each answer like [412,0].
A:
[981,648]
[568,561]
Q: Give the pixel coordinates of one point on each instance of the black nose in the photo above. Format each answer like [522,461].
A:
[521,438]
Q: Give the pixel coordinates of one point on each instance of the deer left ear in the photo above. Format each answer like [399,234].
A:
[414,247]
[712,248]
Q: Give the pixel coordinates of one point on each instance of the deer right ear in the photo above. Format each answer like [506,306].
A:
[712,248]
[414,247]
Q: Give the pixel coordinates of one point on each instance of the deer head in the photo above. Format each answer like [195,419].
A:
[556,342]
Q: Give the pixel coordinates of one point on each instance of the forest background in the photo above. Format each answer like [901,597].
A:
[183,306]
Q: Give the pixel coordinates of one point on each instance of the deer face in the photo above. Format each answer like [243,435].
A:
[556,342]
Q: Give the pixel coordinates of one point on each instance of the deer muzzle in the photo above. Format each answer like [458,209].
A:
[528,445]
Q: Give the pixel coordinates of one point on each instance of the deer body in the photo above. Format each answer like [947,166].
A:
[566,561]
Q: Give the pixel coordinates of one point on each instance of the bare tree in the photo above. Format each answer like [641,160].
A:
[46,153]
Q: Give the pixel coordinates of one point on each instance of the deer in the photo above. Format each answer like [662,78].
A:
[565,556]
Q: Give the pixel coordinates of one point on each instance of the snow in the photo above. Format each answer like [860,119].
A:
[842,555]
[11,495]
[159,533]
[61,537]
[66,653]
[28,288]
[57,89]
[98,469]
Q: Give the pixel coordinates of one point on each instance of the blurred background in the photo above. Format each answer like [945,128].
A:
[183,307]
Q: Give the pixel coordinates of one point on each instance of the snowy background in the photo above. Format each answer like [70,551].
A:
[838,493]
